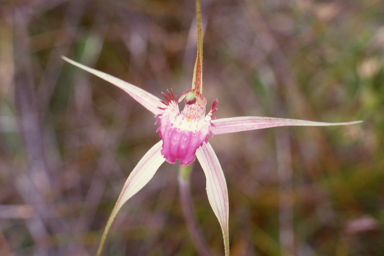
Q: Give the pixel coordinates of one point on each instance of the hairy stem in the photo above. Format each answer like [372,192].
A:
[188,211]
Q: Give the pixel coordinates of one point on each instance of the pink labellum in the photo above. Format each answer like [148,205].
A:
[182,133]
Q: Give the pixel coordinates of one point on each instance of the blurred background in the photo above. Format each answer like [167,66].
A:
[68,140]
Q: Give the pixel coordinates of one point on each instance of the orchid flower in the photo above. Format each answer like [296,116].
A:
[184,136]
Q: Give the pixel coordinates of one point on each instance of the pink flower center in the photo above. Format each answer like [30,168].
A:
[182,133]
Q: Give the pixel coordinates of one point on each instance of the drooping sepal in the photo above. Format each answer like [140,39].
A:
[216,188]
[139,177]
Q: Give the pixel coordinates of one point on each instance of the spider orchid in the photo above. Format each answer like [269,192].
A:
[184,135]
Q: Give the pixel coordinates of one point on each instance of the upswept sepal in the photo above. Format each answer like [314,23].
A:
[148,100]
[197,80]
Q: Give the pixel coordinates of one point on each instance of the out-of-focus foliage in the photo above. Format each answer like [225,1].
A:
[68,140]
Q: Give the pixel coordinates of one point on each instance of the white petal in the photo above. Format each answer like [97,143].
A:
[139,177]
[216,188]
[148,100]
[247,123]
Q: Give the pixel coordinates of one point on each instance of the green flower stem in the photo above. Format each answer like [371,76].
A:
[188,211]
[185,172]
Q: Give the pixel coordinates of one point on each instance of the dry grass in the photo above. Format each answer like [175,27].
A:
[68,140]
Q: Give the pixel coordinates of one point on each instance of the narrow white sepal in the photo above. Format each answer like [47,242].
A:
[248,123]
[148,100]
[139,177]
[216,188]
